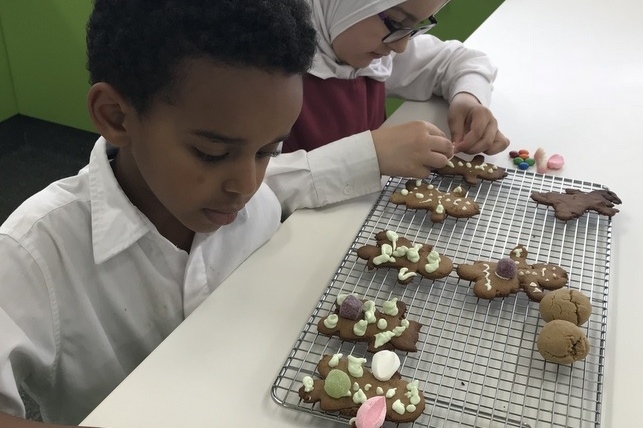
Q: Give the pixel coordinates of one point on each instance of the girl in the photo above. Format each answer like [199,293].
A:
[367,50]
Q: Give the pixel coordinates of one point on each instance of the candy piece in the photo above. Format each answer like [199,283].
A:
[513,154]
[337,384]
[523,152]
[351,308]
[372,413]
[506,268]
[541,162]
[530,161]
[523,166]
[555,162]
[384,365]
[524,156]
[518,160]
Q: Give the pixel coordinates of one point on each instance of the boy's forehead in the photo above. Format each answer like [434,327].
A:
[236,99]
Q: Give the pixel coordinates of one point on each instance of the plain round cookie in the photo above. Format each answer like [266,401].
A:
[566,304]
[562,342]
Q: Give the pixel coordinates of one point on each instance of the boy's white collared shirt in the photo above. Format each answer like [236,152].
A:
[114,288]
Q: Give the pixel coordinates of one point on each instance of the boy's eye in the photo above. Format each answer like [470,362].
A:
[208,158]
[217,158]
[268,154]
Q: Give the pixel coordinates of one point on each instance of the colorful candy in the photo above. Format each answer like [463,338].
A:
[555,162]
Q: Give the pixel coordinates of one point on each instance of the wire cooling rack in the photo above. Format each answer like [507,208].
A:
[477,363]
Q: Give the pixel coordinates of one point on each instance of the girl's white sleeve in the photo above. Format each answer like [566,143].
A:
[430,66]
[341,170]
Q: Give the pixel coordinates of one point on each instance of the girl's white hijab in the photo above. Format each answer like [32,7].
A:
[332,17]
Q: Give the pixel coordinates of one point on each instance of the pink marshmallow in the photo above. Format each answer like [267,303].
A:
[371,413]
[555,162]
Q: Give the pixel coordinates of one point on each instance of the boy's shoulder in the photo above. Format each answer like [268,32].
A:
[65,200]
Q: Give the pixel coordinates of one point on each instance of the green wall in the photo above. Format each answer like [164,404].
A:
[45,42]
[42,59]
[8,105]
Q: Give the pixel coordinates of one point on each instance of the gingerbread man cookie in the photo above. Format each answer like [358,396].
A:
[359,320]
[394,251]
[420,195]
[472,170]
[345,385]
[511,274]
[574,203]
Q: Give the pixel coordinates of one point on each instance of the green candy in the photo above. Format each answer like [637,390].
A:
[337,384]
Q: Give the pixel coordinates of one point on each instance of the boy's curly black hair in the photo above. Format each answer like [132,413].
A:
[137,46]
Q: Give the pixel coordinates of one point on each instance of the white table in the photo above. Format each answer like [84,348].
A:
[570,81]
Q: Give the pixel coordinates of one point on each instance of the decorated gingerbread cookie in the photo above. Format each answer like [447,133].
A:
[345,386]
[472,170]
[359,320]
[511,274]
[396,252]
[574,203]
[420,195]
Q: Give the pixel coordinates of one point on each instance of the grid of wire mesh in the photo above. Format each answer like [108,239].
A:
[477,361]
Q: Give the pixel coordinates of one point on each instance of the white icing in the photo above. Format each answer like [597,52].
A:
[450,164]
[418,182]
[331,321]
[410,408]
[359,328]
[390,392]
[368,309]
[404,192]
[379,390]
[359,397]
[398,407]
[390,307]
[308,383]
[355,366]
[334,360]
[383,337]
[487,280]
[405,274]
[382,324]
[433,261]
[439,209]
[419,195]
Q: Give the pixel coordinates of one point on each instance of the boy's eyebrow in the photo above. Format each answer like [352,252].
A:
[215,137]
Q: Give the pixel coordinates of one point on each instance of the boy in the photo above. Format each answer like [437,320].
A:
[97,269]
[191,98]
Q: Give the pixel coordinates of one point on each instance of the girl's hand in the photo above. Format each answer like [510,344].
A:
[473,127]
[411,149]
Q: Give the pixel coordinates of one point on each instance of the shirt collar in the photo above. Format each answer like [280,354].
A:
[116,223]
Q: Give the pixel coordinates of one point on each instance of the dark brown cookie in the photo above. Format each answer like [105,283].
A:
[472,170]
[384,328]
[533,279]
[420,195]
[396,252]
[354,385]
[574,203]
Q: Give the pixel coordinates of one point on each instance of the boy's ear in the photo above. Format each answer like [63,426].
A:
[108,111]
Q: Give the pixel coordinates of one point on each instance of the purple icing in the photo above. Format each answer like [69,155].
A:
[506,268]
[351,308]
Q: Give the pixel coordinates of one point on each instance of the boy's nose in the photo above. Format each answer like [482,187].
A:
[242,178]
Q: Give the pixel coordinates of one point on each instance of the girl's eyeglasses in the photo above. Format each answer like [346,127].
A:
[397,33]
